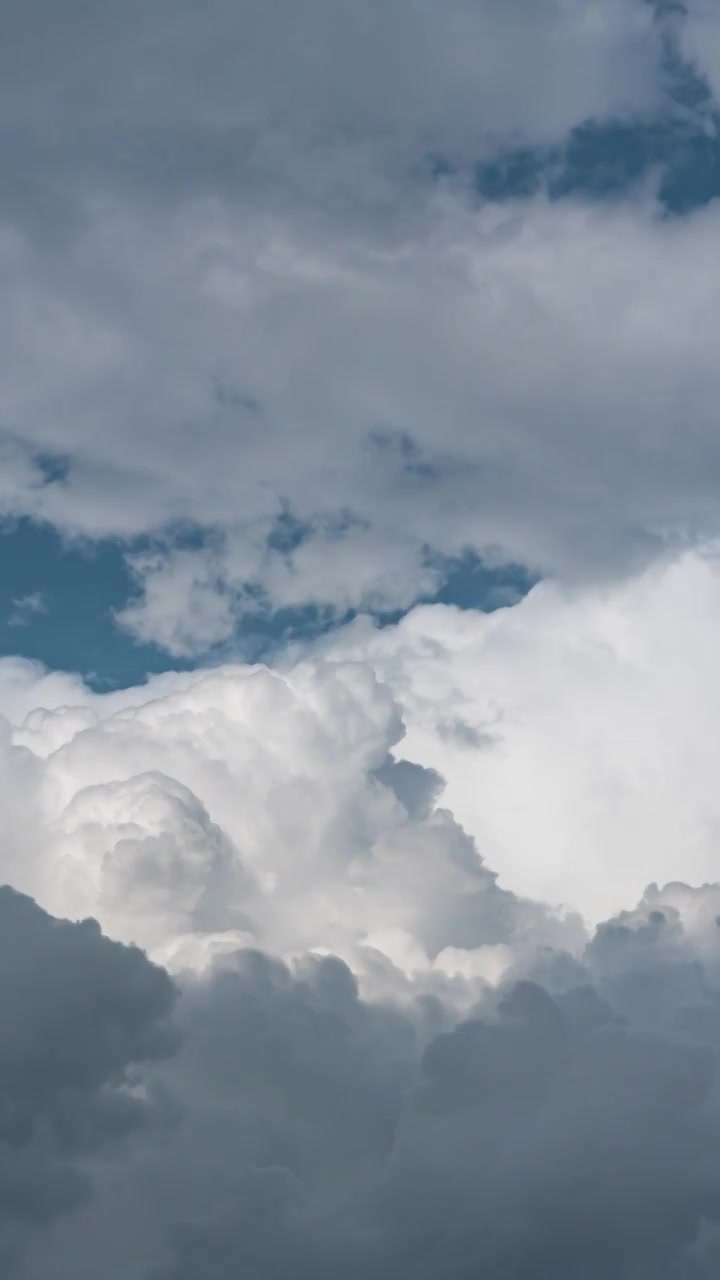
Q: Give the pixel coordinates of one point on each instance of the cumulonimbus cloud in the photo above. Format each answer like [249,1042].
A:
[380,1058]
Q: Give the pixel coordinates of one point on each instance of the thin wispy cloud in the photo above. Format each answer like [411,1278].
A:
[25,608]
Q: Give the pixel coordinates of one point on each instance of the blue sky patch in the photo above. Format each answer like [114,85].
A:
[57,603]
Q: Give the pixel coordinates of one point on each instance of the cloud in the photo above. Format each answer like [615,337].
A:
[380,1056]
[243,805]
[330,107]
[566,1123]
[407,958]
[700,41]
[183,605]
[571,735]
[190,601]
[585,769]
[79,1014]
[234,293]
[467,328]
[25,608]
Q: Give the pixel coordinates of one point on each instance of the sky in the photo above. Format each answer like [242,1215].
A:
[359,622]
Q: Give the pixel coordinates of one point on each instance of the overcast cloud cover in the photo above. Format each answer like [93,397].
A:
[397,954]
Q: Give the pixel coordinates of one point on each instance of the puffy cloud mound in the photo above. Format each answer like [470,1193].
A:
[243,803]
[577,731]
[568,1122]
[317,805]
[381,1059]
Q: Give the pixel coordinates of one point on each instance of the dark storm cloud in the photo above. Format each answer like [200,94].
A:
[551,1136]
[553,1131]
[77,1013]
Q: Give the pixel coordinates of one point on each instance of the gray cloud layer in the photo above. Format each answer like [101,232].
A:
[333,105]
[569,1124]
[79,1015]
[235,286]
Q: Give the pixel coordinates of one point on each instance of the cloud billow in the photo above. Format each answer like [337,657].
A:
[542,1129]
[379,1059]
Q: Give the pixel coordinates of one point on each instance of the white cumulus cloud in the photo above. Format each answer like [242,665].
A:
[577,730]
[381,1052]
